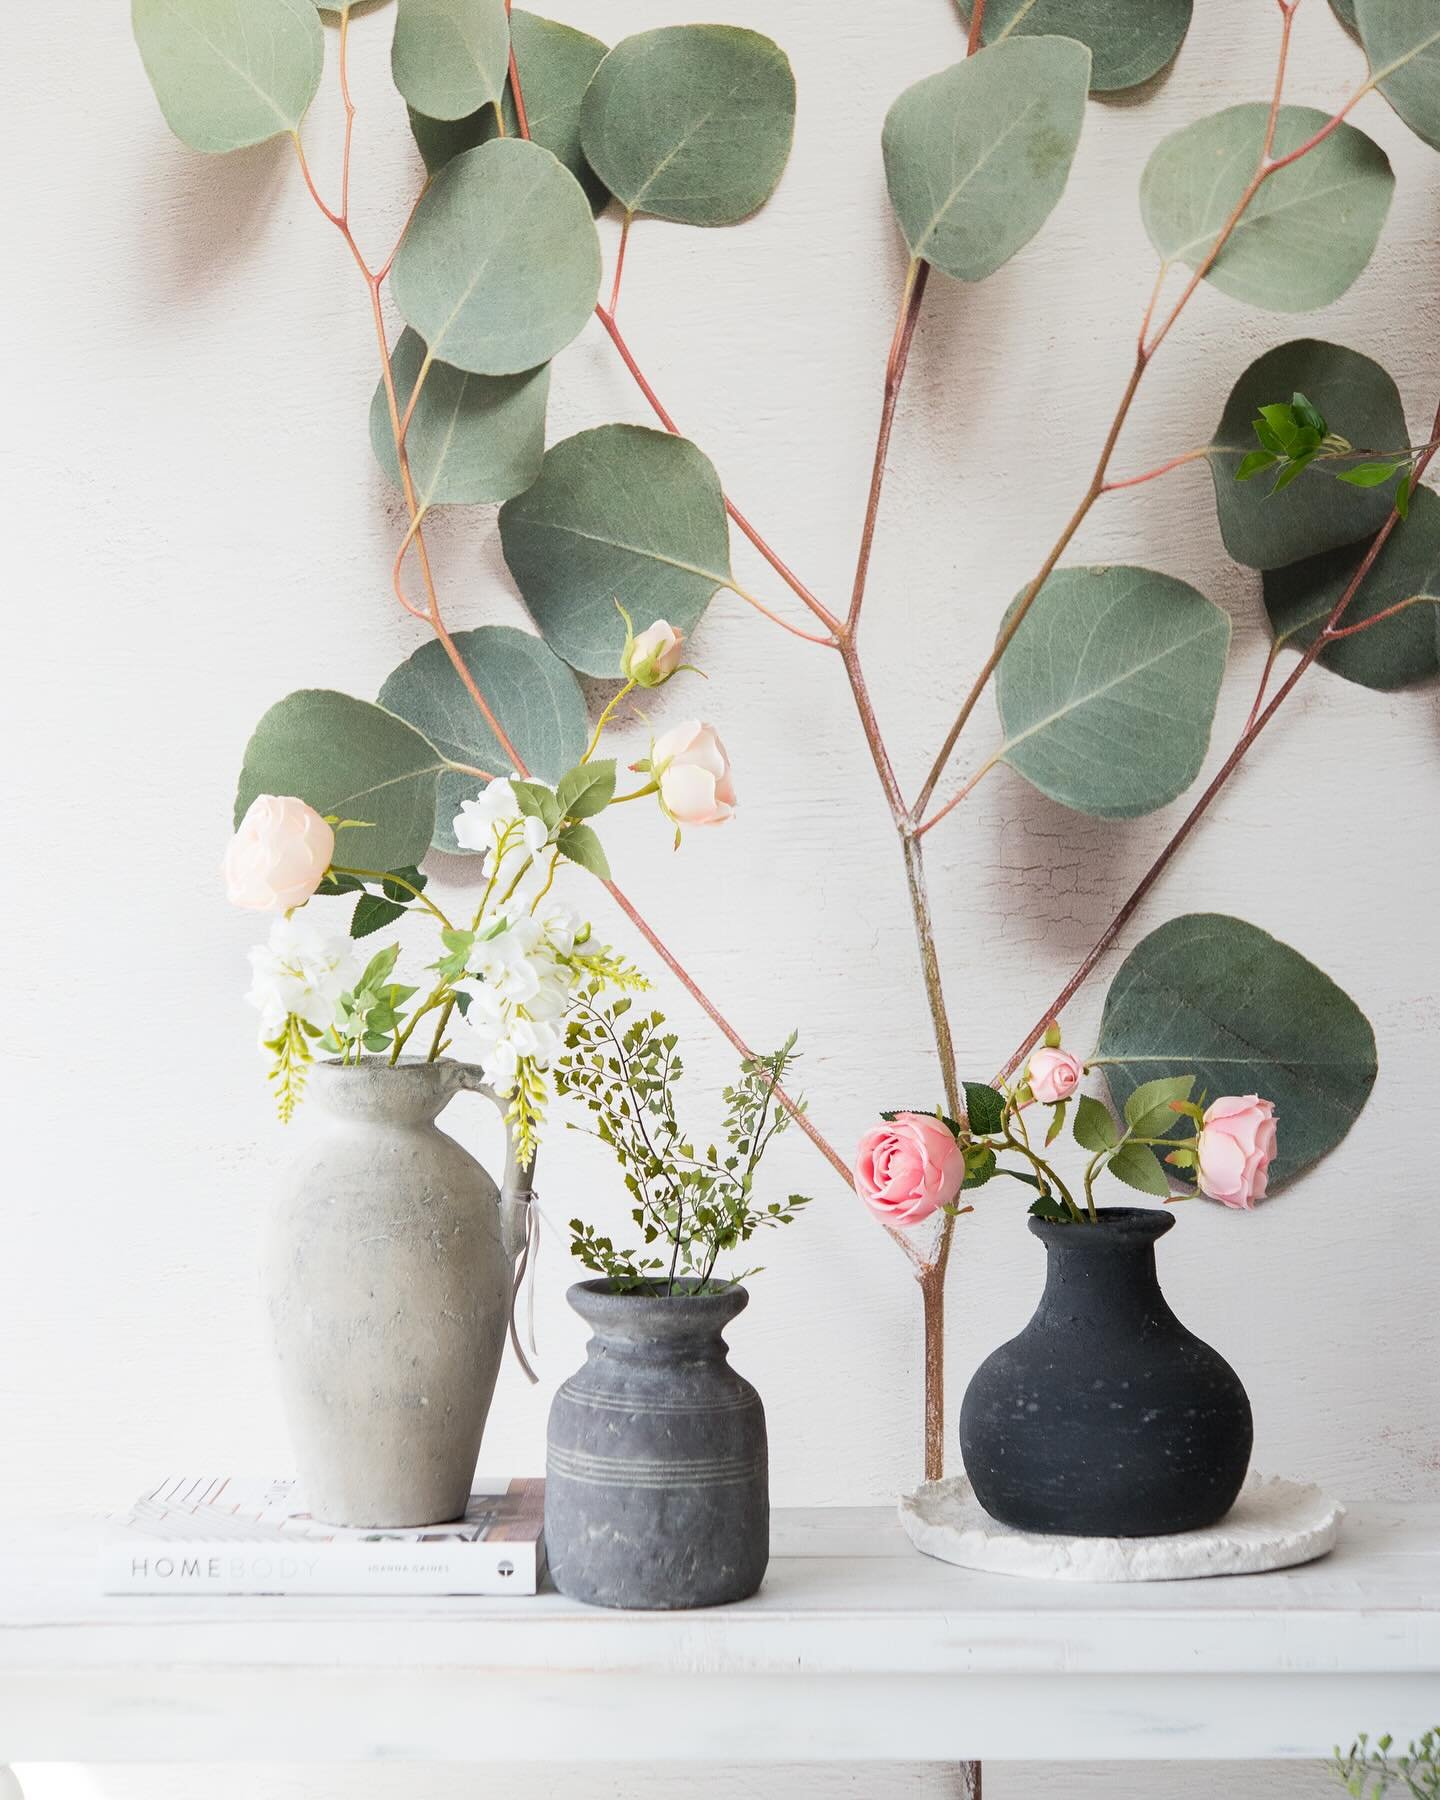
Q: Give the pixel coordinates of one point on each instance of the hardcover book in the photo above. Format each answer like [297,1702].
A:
[236,1535]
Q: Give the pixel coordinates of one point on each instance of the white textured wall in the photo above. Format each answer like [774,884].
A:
[193,526]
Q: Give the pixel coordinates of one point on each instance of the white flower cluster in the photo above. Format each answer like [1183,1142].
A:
[302,969]
[523,978]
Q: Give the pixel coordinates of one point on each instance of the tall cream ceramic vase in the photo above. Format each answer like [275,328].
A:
[388,1270]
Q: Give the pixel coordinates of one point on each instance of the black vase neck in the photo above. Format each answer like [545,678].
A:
[1106,1268]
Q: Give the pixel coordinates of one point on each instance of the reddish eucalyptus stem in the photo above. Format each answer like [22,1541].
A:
[1379,618]
[977,22]
[1175,462]
[911,299]
[620,264]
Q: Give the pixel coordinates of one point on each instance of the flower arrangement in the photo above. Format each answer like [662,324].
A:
[916,1164]
[696,1205]
[1105,679]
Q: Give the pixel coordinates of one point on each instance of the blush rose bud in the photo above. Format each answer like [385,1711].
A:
[908,1169]
[1235,1149]
[653,657]
[692,771]
[1054,1075]
[278,855]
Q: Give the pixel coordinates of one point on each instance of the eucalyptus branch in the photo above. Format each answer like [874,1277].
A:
[1146,348]
[1329,633]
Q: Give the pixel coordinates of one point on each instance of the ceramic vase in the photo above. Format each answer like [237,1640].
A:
[657,1476]
[387,1273]
[1105,1417]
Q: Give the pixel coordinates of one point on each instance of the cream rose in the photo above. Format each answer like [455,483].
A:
[278,855]
[653,657]
[693,771]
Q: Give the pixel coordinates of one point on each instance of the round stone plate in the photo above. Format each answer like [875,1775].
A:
[1273,1525]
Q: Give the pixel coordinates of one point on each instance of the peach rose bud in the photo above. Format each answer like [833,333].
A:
[1054,1075]
[908,1169]
[653,657]
[693,771]
[278,855]
[1236,1148]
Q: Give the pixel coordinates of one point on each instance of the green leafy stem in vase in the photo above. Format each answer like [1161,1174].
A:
[691,1207]
[915,1164]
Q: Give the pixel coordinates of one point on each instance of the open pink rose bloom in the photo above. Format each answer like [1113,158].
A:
[1237,1147]
[908,1169]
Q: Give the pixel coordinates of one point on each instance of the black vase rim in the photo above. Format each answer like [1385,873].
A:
[1115,1227]
[687,1313]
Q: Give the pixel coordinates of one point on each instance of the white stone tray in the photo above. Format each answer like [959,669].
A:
[1275,1524]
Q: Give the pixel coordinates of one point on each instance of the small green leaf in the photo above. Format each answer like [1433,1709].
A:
[378,969]
[229,73]
[1138,1167]
[1291,471]
[1148,1111]
[537,802]
[979,1168]
[411,878]
[586,790]
[1254,463]
[1402,496]
[450,57]
[984,1108]
[1308,415]
[373,914]
[1372,474]
[1057,1123]
[1094,1128]
[1049,1208]
[580,844]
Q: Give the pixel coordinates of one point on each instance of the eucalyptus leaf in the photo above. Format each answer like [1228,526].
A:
[1358,399]
[471,438]
[1108,689]
[1128,40]
[977,156]
[691,122]
[1211,996]
[501,265]
[555,63]
[534,696]
[450,57]
[1396,654]
[348,758]
[1307,233]
[1344,11]
[229,73]
[619,514]
[1402,41]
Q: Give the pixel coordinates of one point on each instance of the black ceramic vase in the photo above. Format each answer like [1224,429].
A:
[657,1489]
[1105,1417]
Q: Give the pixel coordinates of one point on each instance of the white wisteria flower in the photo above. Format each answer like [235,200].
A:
[301,969]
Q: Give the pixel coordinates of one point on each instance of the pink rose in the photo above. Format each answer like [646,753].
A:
[694,775]
[278,855]
[907,1169]
[1237,1147]
[1054,1075]
[654,656]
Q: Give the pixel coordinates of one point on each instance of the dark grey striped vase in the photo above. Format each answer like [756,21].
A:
[657,1488]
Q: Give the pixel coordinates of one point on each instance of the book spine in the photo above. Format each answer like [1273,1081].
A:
[150,1566]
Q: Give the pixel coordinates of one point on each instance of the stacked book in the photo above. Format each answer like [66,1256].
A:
[228,1535]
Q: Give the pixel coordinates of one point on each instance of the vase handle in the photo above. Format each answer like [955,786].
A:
[519,1217]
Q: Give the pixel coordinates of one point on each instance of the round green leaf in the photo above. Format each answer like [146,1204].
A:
[501,265]
[1211,996]
[345,757]
[1108,689]
[977,156]
[691,122]
[471,438]
[1308,232]
[531,692]
[1393,655]
[450,56]
[1358,400]
[555,63]
[620,513]
[228,73]
[1129,40]
[1402,41]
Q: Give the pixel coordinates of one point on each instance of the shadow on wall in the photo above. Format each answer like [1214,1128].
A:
[198,217]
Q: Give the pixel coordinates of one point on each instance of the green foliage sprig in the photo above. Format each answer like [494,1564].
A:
[1371,1771]
[695,1206]
[1294,436]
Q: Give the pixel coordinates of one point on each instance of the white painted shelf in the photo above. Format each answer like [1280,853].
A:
[857,1648]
